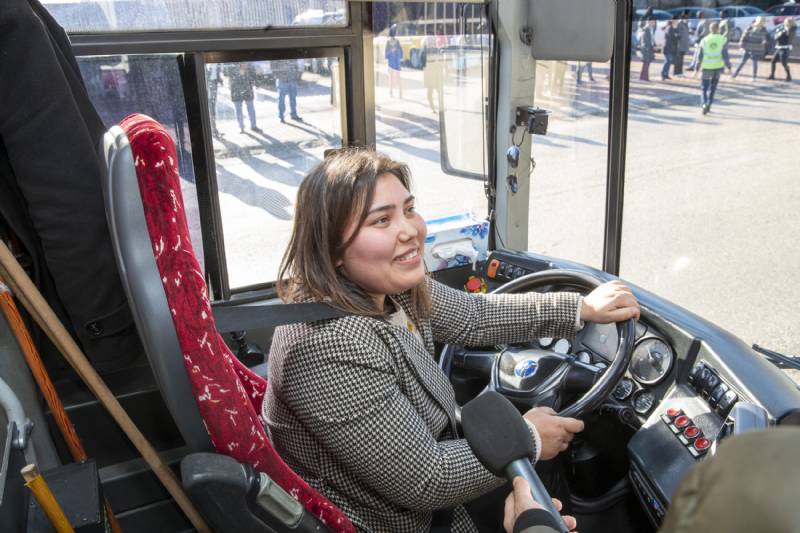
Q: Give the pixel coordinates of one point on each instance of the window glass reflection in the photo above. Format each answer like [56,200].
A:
[120,85]
[133,15]
[272,122]
[432,70]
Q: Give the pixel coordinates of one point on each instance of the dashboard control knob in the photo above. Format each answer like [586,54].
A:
[671,414]
[727,401]
[695,372]
[501,269]
[491,270]
[702,444]
[692,432]
[711,383]
[682,421]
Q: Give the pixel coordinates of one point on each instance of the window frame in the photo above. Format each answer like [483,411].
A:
[351,44]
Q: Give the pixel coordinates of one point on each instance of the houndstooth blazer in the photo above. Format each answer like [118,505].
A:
[359,408]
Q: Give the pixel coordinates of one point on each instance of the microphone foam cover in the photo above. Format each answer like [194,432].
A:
[496,432]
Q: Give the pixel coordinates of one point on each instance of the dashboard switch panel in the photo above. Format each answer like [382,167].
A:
[705,381]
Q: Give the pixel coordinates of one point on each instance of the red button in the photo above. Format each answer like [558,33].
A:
[672,412]
[473,285]
[702,444]
[682,421]
[691,432]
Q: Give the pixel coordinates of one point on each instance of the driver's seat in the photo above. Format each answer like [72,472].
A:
[255,490]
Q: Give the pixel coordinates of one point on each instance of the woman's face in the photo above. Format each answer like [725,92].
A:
[386,255]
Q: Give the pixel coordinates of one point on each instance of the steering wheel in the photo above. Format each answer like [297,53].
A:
[536,375]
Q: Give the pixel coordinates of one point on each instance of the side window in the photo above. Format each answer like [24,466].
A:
[119,85]
[272,120]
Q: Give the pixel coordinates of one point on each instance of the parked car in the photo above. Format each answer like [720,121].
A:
[780,12]
[743,17]
[694,14]
[661,16]
[318,17]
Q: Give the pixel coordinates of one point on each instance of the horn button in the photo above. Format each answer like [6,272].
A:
[524,369]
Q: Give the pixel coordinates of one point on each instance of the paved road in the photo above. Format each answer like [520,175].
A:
[711,220]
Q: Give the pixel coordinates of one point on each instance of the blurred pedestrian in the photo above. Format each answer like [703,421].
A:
[394,59]
[587,66]
[712,58]
[700,31]
[242,79]
[287,77]
[784,35]
[432,72]
[647,49]
[727,27]
[702,28]
[754,43]
[684,43]
[671,39]
[213,81]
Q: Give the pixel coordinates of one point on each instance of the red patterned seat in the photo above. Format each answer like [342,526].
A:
[227,393]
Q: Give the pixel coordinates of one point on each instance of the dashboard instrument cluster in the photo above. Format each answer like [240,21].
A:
[652,362]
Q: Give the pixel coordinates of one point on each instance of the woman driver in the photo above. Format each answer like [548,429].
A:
[357,405]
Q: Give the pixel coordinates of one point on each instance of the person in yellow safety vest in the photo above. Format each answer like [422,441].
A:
[712,58]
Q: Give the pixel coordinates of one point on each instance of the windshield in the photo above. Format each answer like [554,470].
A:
[710,218]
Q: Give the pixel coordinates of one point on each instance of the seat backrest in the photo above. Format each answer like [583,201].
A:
[142,283]
[228,395]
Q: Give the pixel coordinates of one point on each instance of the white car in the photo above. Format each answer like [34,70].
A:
[743,17]
[318,17]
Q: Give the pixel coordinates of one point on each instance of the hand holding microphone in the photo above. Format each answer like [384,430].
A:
[521,511]
[500,439]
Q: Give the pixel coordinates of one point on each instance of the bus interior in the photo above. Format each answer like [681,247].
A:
[543,159]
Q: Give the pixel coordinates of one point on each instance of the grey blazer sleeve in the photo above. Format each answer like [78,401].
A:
[356,410]
[480,319]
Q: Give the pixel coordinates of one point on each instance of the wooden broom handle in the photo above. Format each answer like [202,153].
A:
[30,297]
[39,372]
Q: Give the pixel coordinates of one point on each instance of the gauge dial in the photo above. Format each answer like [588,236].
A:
[584,357]
[623,389]
[545,342]
[643,401]
[651,361]
[562,346]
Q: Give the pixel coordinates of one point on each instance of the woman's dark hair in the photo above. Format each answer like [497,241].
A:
[336,191]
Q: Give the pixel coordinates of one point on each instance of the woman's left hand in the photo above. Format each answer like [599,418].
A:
[610,302]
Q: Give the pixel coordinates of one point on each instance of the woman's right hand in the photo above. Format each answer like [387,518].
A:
[520,500]
[555,431]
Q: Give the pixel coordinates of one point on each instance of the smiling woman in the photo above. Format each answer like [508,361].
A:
[357,405]
[356,236]
[384,255]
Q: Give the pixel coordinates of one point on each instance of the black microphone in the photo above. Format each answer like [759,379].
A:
[500,439]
